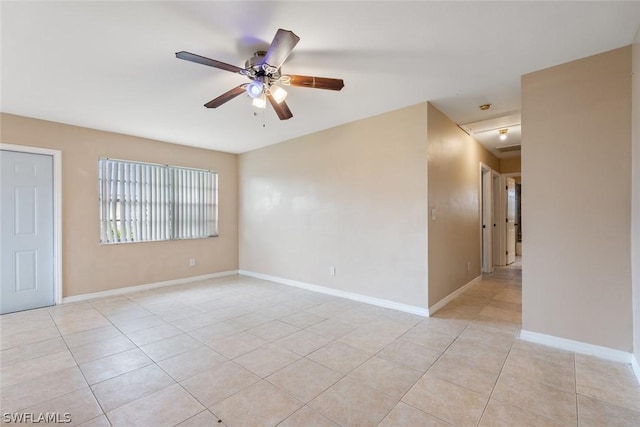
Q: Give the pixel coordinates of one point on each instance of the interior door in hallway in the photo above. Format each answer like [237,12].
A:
[26,231]
[486,179]
[511,220]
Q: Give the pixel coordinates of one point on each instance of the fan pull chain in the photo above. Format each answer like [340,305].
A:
[255,113]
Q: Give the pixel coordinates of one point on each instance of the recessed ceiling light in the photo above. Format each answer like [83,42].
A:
[485,107]
[503,134]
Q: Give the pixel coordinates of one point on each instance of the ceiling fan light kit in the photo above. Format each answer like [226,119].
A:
[255,88]
[260,101]
[263,69]
[278,93]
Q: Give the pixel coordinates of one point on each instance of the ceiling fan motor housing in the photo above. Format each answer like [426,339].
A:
[256,70]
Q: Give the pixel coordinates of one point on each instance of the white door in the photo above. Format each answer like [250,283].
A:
[26,231]
[511,221]
[498,214]
[487,220]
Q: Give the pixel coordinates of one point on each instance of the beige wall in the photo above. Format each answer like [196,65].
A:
[635,236]
[510,165]
[90,267]
[353,197]
[576,155]
[454,183]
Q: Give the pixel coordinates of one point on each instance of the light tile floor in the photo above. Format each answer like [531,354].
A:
[237,351]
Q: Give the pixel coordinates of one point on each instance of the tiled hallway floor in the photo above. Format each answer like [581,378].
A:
[254,353]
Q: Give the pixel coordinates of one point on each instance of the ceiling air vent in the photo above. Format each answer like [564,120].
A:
[508,148]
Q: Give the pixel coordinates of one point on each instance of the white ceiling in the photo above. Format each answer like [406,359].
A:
[111,65]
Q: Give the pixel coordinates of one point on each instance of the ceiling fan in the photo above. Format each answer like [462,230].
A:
[263,69]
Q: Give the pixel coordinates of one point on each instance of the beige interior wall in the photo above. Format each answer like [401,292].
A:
[510,165]
[90,267]
[454,188]
[352,197]
[576,156]
[635,235]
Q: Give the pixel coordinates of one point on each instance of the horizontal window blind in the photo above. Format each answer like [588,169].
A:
[147,202]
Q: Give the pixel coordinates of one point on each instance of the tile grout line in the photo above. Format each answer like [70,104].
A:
[469,323]
[430,366]
[496,383]
[231,360]
[123,373]
[500,373]
[81,372]
[176,382]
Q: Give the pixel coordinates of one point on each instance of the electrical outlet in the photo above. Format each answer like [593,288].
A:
[192,262]
[332,271]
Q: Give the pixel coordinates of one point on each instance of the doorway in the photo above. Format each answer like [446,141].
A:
[30,223]
[507,227]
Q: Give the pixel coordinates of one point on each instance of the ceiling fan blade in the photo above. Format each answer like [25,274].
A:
[188,56]
[281,109]
[314,82]
[227,96]
[281,46]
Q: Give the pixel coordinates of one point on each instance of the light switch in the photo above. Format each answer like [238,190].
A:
[433,214]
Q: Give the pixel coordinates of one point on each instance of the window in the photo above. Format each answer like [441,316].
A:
[141,202]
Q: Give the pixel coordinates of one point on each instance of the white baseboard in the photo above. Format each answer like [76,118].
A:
[147,286]
[446,300]
[420,311]
[636,366]
[577,347]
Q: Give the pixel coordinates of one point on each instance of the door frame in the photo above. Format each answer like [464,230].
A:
[486,206]
[57,210]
